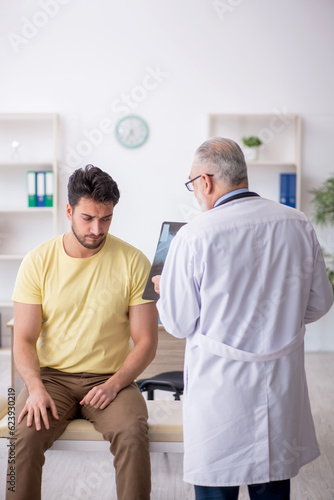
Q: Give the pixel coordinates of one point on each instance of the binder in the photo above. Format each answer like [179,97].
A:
[292,191]
[288,190]
[49,188]
[31,188]
[40,182]
[283,189]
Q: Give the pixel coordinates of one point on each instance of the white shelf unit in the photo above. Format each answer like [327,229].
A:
[280,152]
[22,227]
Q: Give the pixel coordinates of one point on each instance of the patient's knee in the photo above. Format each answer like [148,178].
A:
[31,439]
[132,433]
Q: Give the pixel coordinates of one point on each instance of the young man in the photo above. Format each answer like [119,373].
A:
[239,283]
[77,302]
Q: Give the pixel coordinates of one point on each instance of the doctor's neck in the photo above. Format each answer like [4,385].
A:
[220,189]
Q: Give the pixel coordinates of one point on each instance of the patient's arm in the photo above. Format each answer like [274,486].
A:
[144,332]
[27,327]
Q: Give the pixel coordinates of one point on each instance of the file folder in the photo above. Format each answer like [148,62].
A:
[40,182]
[49,189]
[288,190]
[31,189]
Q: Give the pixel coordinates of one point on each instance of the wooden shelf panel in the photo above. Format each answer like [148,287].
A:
[28,116]
[9,256]
[270,163]
[38,165]
[26,209]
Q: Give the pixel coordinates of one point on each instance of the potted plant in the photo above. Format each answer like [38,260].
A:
[323,203]
[251,144]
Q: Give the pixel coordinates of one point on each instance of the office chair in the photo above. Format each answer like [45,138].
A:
[167,381]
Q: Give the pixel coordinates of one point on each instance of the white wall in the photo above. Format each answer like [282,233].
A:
[86,58]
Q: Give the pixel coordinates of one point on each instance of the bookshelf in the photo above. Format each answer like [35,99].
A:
[28,142]
[280,152]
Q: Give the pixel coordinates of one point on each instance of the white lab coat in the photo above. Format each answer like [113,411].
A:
[239,283]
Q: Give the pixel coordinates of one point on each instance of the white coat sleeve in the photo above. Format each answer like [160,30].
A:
[179,303]
[321,293]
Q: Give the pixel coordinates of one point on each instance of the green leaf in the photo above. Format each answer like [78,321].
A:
[251,141]
[323,212]
[323,203]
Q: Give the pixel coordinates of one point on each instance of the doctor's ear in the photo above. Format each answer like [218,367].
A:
[208,183]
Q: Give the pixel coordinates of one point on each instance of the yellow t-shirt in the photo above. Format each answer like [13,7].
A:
[85,323]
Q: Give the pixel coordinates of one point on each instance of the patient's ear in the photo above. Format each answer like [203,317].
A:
[69,211]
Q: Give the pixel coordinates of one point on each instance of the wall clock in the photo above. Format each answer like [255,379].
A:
[131,131]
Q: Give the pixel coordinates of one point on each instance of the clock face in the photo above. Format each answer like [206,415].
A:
[131,131]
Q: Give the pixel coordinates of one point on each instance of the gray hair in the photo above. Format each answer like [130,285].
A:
[224,158]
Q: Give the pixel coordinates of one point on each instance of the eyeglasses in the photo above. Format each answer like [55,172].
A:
[189,184]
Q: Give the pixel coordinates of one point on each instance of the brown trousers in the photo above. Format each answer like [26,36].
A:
[123,423]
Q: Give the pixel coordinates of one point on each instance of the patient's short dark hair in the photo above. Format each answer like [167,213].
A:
[91,182]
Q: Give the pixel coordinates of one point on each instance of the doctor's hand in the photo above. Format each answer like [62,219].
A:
[100,396]
[36,407]
[156,281]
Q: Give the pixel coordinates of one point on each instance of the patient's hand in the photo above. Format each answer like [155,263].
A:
[156,281]
[100,396]
[36,407]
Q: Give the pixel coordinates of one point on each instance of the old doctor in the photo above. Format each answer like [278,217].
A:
[240,282]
